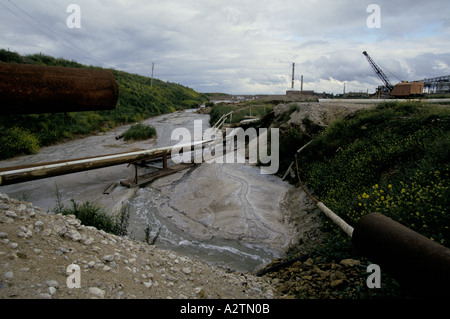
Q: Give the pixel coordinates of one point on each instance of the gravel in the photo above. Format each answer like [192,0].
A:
[36,249]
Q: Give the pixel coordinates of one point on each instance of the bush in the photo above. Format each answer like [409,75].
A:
[17,141]
[139,132]
[92,215]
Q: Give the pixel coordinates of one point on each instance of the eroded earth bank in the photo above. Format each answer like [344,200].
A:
[215,223]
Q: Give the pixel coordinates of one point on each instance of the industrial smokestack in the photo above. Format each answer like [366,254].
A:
[293,68]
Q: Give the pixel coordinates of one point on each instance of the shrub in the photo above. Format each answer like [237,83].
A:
[93,215]
[139,132]
[17,141]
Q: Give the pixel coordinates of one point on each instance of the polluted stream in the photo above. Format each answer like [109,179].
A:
[228,215]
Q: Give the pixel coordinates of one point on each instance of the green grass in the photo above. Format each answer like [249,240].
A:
[92,215]
[139,132]
[393,159]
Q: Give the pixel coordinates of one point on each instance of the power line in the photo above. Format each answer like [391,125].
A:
[394,74]
[52,34]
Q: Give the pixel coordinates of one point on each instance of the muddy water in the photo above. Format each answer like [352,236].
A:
[226,214]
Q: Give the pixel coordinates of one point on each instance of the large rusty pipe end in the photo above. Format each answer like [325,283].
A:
[29,89]
[416,261]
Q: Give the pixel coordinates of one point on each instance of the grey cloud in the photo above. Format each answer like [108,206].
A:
[239,46]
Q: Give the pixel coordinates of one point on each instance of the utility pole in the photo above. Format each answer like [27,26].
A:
[301,84]
[153,68]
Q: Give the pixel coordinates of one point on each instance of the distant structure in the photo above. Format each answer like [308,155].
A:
[153,68]
[296,94]
[293,72]
[437,85]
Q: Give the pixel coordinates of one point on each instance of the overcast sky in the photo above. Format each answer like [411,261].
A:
[240,46]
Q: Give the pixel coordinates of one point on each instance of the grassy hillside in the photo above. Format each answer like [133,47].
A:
[24,134]
[394,159]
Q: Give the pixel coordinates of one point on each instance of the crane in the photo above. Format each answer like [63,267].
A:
[403,89]
[388,85]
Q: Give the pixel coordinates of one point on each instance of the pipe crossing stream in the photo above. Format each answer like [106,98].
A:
[226,214]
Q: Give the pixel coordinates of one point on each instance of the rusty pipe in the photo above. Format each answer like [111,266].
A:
[30,89]
[416,261]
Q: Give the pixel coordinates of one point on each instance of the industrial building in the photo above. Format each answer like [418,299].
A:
[437,85]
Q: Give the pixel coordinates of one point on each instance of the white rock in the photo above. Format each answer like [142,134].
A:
[38,224]
[51,291]
[73,222]
[4,196]
[73,234]
[97,292]
[21,234]
[108,257]
[9,275]
[187,270]
[11,214]
[52,283]
[88,241]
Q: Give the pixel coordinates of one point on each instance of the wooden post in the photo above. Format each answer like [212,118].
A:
[135,173]
[165,161]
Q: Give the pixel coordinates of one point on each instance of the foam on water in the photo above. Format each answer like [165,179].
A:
[218,251]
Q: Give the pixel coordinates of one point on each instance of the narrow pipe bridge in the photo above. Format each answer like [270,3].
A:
[19,174]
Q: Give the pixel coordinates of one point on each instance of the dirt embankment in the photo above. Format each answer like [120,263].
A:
[321,114]
[37,248]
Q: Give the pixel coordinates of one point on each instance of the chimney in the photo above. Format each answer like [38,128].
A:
[293,67]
